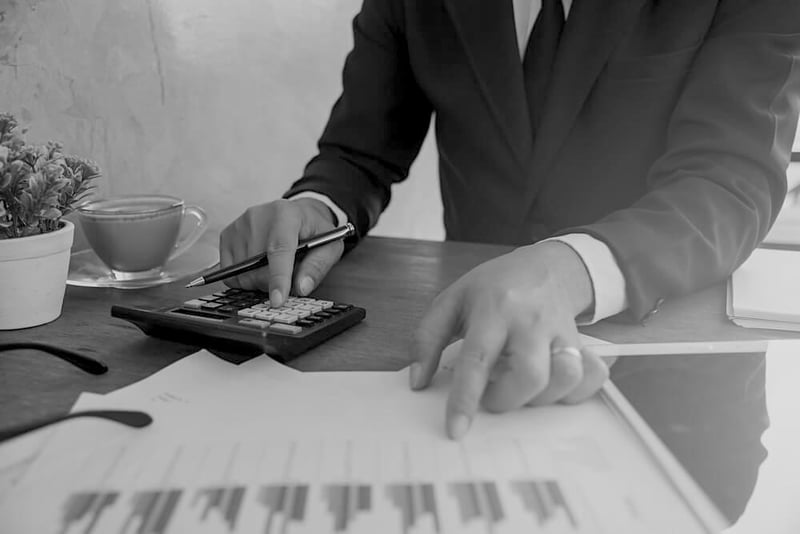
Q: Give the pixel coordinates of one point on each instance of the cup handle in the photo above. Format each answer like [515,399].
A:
[201,222]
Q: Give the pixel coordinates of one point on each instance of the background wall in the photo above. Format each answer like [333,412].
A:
[220,102]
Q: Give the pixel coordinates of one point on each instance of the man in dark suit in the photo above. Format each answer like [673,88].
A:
[647,139]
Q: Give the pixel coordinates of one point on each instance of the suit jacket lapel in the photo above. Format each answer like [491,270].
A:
[593,28]
[486,29]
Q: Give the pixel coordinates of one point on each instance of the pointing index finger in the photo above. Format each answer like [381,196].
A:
[434,333]
[281,248]
[483,343]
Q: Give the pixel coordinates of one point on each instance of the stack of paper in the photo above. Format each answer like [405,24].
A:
[260,447]
[765,291]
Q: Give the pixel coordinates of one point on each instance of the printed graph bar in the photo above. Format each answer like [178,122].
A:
[284,504]
[414,501]
[225,501]
[543,498]
[87,504]
[153,510]
[478,501]
[345,501]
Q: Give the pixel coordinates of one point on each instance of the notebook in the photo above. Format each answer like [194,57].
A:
[764,292]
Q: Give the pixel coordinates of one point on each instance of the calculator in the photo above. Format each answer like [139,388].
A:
[237,319]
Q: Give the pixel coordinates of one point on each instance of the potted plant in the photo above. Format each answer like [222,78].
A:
[39,185]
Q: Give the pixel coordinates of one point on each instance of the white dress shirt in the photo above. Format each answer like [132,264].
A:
[608,283]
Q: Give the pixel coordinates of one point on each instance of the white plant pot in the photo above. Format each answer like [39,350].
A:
[33,277]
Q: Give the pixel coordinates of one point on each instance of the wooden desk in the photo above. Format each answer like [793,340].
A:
[394,279]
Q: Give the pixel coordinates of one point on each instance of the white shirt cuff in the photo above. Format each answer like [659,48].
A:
[608,283]
[341,216]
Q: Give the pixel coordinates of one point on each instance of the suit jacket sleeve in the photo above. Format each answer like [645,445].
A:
[377,125]
[721,180]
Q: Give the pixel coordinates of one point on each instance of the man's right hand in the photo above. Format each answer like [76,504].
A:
[276,227]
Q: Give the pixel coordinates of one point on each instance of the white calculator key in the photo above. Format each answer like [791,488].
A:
[261,306]
[309,307]
[193,304]
[247,312]
[253,322]
[285,318]
[285,328]
[266,316]
[324,303]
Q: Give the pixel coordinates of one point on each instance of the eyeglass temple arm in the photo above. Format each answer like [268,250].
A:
[131,418]
[85,363]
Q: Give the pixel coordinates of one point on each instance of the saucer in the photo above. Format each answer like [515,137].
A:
[86,269]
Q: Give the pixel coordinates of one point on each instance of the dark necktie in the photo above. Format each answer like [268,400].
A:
[540,55]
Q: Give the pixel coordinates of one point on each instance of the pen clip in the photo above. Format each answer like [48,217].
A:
[328,237]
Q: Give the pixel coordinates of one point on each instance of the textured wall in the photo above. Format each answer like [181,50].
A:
[220,102]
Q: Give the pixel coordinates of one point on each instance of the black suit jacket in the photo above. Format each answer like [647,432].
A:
[666,133]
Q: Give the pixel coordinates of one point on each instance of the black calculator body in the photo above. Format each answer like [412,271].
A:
[236,319]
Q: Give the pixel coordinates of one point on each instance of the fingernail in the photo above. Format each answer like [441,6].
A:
[275,298]
[306,285]
[459,425]
[415,375]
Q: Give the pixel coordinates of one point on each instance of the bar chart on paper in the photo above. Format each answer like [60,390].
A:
[288,487]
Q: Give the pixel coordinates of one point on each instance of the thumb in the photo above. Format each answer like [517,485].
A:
[315,266]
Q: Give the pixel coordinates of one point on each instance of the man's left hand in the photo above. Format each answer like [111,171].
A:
[516,315]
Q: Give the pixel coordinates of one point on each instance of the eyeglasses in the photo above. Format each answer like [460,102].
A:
[132,418]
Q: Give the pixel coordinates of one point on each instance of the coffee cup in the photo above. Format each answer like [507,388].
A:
[135,236]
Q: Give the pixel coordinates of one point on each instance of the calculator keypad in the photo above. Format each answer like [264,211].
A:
[253,309]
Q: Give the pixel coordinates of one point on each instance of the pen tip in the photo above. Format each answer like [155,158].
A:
[195,282]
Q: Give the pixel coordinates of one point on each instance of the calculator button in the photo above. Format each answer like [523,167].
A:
[325,304]
[305,322]
[261,306]
[253,322]
[227,309]
[210,305]
[301,313]
[324,314]
[247,312]
[224,301]
[310,307]
[265,315]
[285,318]
[340,307]
[219,294]
[285,328]
[207,298]
[193,304]
[333,311]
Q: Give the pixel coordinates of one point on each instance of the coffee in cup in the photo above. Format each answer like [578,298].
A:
[135,236]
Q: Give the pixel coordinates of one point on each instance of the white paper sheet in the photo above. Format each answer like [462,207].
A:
[262,447]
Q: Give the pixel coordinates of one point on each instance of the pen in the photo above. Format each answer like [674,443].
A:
[261,259]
